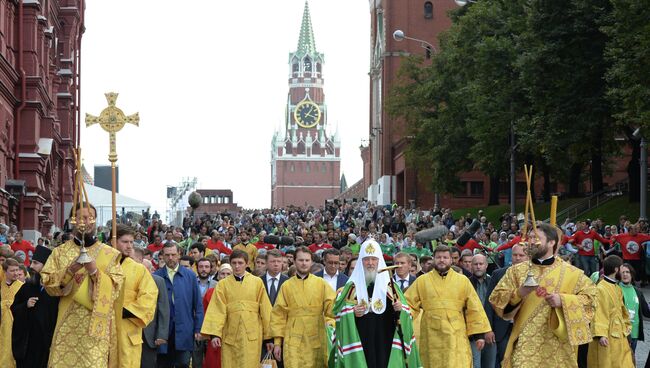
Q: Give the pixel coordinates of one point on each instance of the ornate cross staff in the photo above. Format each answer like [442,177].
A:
[112,120]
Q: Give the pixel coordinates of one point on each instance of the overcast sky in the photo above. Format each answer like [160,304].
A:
[209,79]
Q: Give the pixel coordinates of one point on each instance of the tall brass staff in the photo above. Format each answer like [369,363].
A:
[112,120]
[398,323]
[527,241]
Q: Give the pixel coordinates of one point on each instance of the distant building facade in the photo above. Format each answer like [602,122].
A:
[39,106]
[216,202]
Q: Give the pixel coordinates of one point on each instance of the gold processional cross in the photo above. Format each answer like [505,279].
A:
[112,119]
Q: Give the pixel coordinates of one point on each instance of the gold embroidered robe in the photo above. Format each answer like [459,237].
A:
[533,342]
[239,313]
[139,296]
[85,326]
[451,312]
[613,322]
[298,321]
[8,292]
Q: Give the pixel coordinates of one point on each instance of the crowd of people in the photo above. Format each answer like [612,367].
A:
[345,285]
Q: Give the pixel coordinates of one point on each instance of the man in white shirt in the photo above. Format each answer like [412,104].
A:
[273,278]
[402,276]
[331,274]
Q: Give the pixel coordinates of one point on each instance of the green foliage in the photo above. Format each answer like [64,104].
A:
[628,50]
[537,65]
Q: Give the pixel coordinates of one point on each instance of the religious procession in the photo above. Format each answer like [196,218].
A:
[472,195]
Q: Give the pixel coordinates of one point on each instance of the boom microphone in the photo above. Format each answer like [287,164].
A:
[468,233]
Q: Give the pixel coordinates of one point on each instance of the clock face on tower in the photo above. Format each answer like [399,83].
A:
[307,114]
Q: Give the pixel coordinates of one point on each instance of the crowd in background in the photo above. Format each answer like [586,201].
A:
[334,234]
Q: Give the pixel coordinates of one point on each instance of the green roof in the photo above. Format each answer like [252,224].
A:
[306,42]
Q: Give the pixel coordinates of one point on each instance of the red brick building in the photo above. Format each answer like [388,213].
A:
[39,107]
[305,160]
[387,175]
[216,201]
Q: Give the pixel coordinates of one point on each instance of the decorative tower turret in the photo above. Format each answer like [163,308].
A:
[305,161]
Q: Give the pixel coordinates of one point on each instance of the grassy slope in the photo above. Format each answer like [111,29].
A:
[542,210]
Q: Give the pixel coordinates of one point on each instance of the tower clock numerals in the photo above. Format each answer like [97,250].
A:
[307,114]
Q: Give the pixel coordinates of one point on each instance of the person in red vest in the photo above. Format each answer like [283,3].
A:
[216,244]
[260,244]
[632,248]
[319,244]
[583,239]
[155,248]
[23,249]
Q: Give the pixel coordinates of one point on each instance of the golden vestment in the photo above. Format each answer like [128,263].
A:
[239,313]
[7,294]
[298,319]
[139,296]
[534,340]
[451,312]
[85,326]
[251,250]
[613,322]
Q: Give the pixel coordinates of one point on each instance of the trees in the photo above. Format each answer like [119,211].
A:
[628,51]
[536,65]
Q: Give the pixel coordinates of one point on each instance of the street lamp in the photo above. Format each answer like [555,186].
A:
[643,162]
[463,2]
[399,36]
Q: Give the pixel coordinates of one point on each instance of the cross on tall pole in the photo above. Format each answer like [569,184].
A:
[112,119]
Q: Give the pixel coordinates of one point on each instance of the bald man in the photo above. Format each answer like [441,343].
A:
[485,357]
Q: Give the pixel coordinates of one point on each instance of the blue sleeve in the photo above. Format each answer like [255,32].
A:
[197,305]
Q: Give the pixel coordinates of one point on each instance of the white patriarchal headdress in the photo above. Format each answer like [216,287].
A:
[376,304]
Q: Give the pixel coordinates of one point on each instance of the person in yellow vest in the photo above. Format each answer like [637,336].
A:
[238,316]
[136,306]
[301,310]
[452,314]
[8,290]
[611,324]
[247,247]
[85,325]
[550,320]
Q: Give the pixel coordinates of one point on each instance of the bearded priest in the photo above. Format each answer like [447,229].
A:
[374,327]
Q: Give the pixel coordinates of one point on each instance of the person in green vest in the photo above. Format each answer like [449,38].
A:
[353,245]
[387,247]
[419,250]
[635,303]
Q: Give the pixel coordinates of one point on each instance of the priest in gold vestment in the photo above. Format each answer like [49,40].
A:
[301,310]
[136,304]
[452,314]
[550,320]
[8,290]
[85,325]
[238,316]
[611,324]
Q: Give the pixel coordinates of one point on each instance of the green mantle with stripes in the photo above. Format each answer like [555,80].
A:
[346,350]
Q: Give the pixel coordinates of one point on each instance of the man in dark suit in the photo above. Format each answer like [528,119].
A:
[501,327]
[402,275]
[157,332]
[273,280]
[331,274]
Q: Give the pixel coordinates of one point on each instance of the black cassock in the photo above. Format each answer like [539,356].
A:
[376,332]
[33,328]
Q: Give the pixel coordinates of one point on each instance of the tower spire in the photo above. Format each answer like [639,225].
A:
[306,42]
